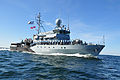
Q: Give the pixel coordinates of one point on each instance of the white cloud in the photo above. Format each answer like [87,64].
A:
[48,24]
[79,25]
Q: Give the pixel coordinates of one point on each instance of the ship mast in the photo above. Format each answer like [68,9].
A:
[103,39]
[68,22]
[39,22]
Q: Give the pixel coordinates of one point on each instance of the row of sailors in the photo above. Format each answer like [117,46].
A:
[60,42]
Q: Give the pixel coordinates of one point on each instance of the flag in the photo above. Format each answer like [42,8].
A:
[33,27]
[30,22]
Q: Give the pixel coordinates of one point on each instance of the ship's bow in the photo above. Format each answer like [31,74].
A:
[94,50]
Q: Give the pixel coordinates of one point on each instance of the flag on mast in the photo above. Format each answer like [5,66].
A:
[33,27]
[30,22]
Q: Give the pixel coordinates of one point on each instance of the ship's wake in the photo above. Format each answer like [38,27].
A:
[4,49]
[62,54]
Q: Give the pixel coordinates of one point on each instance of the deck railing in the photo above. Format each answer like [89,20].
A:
[61,42]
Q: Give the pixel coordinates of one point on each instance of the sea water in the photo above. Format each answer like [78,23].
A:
[28,66]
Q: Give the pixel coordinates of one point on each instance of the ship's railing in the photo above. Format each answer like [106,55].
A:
[60,42]
[53,42]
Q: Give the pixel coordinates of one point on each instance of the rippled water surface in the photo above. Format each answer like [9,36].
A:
[26,66]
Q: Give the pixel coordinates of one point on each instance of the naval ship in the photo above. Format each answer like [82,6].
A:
[56,41]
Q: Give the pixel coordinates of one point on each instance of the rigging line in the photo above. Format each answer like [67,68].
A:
[43,28]
[42,25]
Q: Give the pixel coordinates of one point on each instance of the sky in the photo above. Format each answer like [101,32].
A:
[89,20]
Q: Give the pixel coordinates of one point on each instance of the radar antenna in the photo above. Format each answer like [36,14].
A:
[68,22]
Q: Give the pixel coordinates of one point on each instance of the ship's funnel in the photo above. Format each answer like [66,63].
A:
[58,22]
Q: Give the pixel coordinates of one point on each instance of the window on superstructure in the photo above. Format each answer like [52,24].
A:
[64,47]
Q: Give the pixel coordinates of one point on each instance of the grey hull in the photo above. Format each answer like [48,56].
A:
[93,50]
[21,49]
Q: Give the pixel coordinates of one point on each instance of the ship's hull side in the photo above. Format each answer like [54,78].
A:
[93,50]
[21,49]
